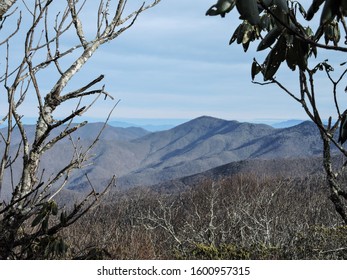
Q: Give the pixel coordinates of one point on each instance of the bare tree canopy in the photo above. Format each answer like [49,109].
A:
[54,42]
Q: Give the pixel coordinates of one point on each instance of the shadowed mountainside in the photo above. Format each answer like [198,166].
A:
[258,168]
[204,143]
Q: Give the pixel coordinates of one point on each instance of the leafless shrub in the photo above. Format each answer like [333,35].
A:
[56,44]
[240,217]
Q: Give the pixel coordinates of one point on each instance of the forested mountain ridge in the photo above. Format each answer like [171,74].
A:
[138,157]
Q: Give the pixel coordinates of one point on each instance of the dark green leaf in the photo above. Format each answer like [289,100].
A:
[40,216]
[270,38]
[235,35]
[265,22]
[240,34]
[336,35]
[275,58]
[280,10]
[328,33]
[45,223]
[245,46]
[54,208]
[62,247]
[301,9]
[291,57]
[297,54]
[314,51]
[248,30]
[327,13]
[63,217]
[256,68]
[248,10]
[309,32]
[303,49]
[327,67]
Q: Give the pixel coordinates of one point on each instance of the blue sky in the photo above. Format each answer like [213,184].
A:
[175,63]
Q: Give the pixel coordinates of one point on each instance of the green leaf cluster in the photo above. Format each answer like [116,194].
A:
[43,215]
[274,23]
[47,247]
[287,48]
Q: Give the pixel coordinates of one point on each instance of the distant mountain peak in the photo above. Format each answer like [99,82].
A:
[206,119]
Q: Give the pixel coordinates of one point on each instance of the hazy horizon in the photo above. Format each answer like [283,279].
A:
[152,124]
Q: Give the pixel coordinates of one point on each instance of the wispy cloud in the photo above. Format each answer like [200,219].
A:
[176,63]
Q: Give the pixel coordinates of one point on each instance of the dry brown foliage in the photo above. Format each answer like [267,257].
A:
[240,217]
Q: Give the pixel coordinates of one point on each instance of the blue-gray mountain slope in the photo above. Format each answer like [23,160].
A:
[138,157]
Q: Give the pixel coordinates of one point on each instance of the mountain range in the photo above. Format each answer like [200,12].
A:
[138,157]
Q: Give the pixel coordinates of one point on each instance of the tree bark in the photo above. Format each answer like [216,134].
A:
[336,194]
[5,5]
